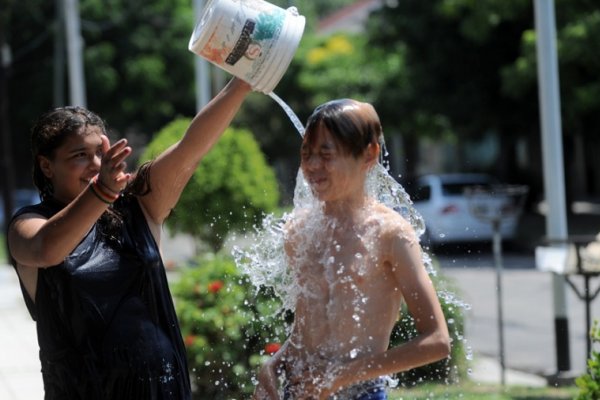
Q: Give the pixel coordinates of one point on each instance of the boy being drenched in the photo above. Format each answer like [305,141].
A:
[355,261]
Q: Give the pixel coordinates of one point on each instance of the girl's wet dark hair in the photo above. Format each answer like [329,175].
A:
[353,124]
[50,132]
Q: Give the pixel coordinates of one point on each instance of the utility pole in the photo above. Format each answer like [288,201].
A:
[552,154]
[59,55]
[7,177]
[74,54]
[201,67]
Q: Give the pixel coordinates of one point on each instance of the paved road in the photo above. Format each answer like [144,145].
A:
[527,309]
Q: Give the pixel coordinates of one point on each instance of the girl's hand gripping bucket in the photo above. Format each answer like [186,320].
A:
[251,39]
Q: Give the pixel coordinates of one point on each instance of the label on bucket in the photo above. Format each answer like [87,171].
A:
[245,38]
[241,47]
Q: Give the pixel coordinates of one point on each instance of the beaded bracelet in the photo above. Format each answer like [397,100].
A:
[101,194]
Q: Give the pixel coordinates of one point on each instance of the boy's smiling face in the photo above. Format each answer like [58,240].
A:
[330,170]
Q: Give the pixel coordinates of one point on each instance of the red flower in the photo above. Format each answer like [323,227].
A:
[215,286]
[189,340]
[272,348]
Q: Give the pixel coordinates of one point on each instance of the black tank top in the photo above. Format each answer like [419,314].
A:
[106,323]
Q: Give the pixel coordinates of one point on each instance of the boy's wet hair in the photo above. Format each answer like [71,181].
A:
[353,124]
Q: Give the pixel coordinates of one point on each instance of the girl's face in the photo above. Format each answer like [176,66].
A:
[332,173]
[75,162]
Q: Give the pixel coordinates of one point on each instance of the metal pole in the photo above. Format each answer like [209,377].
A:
[7,173]
[201,67]
[588,317]
[59,55]
[552,152]
[497,247]
[74,54]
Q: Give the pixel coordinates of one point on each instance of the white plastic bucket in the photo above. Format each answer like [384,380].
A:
[251,39]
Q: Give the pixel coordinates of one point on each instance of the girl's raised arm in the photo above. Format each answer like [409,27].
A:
[172,169]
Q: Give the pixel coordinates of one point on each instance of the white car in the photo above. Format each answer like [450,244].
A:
[452,215]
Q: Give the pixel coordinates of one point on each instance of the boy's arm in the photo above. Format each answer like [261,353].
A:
[268,377]
[432,342]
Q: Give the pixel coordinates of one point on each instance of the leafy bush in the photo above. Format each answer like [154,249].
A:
[589,384]
[228,330]
[231,189]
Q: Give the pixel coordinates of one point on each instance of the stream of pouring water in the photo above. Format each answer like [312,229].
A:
[290,113]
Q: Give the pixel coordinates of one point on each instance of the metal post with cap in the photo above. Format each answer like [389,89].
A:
[201,67]
[553,165]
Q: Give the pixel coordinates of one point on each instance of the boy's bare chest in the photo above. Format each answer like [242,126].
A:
[342,258]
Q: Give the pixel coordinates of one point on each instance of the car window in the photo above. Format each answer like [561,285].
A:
[422,193]
[457,189]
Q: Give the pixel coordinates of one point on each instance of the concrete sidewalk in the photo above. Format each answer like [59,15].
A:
[20,377]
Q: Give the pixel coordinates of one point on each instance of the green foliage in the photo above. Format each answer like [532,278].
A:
[577,31]
[3,249]
[138,70]
[343,65]
[136,55]
[231,190]
[453,52]
[589,383]
[226,327]
[452,369]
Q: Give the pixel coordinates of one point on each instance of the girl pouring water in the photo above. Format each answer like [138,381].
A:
[88,255]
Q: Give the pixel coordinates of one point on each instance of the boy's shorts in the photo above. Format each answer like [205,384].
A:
[367,390]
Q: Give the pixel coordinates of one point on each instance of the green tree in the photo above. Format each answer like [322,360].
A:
[343,65]
[578,29]
[232,189]
[453,52]
[139,73]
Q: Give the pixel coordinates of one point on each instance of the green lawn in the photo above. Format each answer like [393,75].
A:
[3,256]
[474,391]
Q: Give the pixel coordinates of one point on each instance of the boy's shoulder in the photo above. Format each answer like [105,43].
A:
[391,223]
